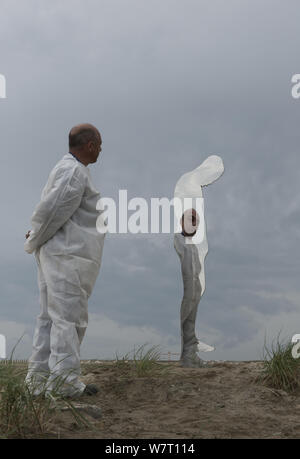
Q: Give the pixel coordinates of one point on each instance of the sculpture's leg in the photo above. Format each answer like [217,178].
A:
[189,307]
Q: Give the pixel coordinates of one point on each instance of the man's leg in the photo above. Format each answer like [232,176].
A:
[64,360]
[38,367]
[68,309]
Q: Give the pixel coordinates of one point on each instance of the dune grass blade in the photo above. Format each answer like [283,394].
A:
[142,361]
[24,414]
[146,361]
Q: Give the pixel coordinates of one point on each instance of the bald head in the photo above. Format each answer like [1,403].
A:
[85,143]
[82,134]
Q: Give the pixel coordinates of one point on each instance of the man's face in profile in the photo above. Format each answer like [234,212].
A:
[95,150]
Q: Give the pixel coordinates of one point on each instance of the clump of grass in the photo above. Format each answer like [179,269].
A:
[24,415]
[21,414]
[146,361]
[142,361]
[122,363]
[280,369]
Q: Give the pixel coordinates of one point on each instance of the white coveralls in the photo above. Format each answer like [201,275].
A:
[192,253]
[68,251]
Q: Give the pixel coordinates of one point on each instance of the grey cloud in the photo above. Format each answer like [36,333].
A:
[167,83]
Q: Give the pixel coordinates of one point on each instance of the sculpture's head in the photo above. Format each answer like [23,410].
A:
[190,222]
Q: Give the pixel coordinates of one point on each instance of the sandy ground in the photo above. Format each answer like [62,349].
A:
[222,401]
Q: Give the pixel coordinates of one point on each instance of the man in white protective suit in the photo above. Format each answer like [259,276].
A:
[68,251]
[191,247]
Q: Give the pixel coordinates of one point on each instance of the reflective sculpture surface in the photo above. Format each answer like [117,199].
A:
[191,247]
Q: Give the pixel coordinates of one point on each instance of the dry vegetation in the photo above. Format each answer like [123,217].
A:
[141,397]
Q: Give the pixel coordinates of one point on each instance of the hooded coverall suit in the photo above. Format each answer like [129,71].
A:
[68,251]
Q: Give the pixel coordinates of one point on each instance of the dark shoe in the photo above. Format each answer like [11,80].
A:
[90,389]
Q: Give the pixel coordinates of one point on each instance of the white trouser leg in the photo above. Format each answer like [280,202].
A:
[68,309]
[38,365]
[59,336]
[65,343]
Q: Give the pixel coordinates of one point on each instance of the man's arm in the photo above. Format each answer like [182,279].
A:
[56,206]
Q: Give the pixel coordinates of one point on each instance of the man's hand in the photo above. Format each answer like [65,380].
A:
[27,234]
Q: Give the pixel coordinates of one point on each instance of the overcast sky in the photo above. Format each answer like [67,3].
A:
[167,82]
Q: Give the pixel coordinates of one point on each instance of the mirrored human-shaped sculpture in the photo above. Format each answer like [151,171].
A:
[191,246]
